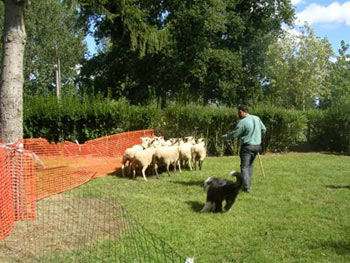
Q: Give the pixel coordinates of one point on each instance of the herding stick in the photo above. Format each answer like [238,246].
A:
[261,165]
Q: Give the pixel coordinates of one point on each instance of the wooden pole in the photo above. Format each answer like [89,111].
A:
[261,165]
[58,74]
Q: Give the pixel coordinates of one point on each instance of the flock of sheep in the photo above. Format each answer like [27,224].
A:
[159,152]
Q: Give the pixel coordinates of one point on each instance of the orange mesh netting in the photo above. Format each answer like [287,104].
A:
[17,197]
[66,165]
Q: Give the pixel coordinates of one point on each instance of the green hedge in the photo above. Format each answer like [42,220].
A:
[286,129]
[330,130]
[82,118]
[73,118]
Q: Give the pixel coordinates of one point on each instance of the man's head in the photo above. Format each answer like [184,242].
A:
[242,111]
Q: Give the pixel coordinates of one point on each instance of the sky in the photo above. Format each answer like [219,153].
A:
[328,18]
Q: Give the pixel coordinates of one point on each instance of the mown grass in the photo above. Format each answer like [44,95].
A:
[300,212]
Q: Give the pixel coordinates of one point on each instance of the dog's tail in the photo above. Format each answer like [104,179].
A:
[238,176]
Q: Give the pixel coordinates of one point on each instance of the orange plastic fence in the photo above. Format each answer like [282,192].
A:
[40,169]
[17,196]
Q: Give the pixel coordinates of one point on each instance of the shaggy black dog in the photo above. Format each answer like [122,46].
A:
[219,190]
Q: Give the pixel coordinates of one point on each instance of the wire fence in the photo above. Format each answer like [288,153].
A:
[46,217]
[84,226]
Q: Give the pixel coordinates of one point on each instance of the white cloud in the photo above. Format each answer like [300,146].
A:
[292,31]
[295,2]
[335,13]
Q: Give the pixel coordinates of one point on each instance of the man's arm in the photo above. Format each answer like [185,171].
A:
[237,132]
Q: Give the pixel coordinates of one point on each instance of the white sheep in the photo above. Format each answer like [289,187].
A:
[185,150]
[198,152]
[129,153]
[168,142]
[167,155]
[143,159]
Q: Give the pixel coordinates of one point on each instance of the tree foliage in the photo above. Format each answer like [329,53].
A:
[52,24]
[204,51]
[339,77]
[297,68]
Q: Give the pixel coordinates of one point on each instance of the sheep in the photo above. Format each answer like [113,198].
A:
[167,142]
[198,153]
[144,159]
[129,153]
[167,155]
[185,150]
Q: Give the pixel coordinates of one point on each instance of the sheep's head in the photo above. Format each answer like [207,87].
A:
[155,142]
[145,142]
[200,140]
[190,139]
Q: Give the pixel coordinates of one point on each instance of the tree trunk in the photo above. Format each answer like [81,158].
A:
[11,88]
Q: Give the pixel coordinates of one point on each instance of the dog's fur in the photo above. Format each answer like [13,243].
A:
[219,190]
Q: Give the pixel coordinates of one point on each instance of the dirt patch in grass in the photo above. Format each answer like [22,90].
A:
[64,223]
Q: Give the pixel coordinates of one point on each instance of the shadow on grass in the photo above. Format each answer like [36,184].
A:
[340,247]
[338,186]
[196,206]
[118,173]
[129,173]
[190,183]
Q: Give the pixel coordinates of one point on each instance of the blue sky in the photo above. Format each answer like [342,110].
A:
[328,18]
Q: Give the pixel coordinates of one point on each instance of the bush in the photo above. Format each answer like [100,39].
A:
[329,130]
[198,121]
[84,118]
[286,129]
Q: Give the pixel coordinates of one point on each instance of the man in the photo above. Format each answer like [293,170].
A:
[249,129]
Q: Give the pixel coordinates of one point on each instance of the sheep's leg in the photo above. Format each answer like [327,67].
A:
[167,169]
[200,164]
[134,171]
[123,166]
[143,172]
[179,166]
[194,163]
[129,166]
[156,169]
[189,164]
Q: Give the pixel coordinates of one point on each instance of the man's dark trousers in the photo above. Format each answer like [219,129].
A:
[247,156]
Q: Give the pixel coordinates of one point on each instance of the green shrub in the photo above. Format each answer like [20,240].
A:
[84,118]
[199,121]
[286,129]
[329,130]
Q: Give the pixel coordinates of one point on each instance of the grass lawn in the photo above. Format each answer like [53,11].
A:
[300,212]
